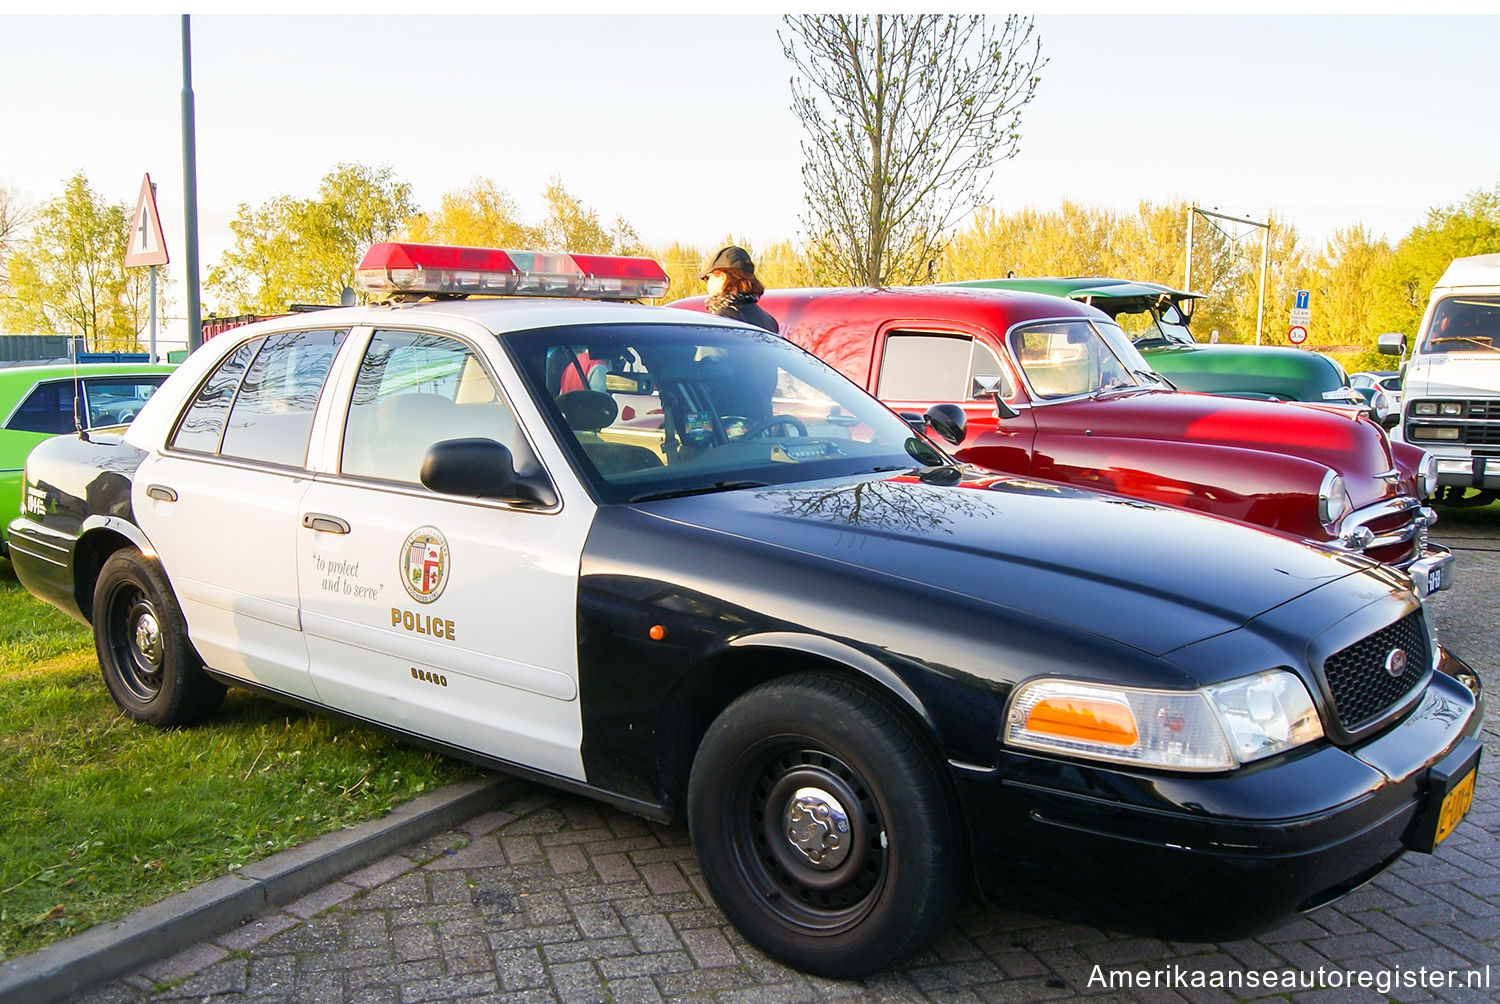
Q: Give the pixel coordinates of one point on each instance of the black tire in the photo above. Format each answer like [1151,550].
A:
[804,752]
[151,669]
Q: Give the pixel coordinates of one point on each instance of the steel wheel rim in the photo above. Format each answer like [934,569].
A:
[801,874]
[136,643]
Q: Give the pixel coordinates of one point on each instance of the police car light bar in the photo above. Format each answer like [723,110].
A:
[409,270]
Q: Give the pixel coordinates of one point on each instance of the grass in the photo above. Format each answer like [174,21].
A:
[100,816]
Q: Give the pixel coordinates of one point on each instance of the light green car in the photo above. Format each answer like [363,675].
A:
[38,402]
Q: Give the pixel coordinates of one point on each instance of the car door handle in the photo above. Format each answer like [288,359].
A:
[161,493]
[324,522]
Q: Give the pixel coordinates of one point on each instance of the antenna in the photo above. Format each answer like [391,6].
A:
[77,391]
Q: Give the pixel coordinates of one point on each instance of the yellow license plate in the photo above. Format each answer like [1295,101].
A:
[1456,806]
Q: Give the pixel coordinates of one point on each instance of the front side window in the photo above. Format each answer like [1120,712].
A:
[117,400]
[259,404]
[686,409]
[1070,358]
[415,389]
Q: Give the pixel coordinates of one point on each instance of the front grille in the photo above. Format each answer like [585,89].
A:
[1484,411]
[1362,689]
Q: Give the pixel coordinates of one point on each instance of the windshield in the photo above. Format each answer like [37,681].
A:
[1149,323]
[1464,324]
[660,409]
[1072,358]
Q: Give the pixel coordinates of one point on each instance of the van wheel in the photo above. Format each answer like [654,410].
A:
[149,666]
[824,828]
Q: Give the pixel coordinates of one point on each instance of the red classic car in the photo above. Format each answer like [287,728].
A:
[1054,389]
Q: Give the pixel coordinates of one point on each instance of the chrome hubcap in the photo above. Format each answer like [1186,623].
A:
[818,827]
[147,635]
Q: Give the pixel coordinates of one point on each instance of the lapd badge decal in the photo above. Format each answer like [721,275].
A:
[424,564]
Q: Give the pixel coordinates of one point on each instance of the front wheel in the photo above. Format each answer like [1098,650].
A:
[150,668]
[825,830]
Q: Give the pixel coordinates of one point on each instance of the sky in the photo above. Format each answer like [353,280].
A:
[681,123]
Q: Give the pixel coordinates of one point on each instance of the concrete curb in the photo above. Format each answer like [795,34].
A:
[107,951]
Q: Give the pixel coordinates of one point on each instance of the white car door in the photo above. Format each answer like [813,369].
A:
[221,503]
[451,618]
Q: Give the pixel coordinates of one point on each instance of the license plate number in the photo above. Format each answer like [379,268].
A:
[1434,581]
[1455,806]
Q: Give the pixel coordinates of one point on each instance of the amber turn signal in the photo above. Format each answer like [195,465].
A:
[1088,720]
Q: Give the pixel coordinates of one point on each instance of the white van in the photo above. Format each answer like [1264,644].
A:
[1450,388]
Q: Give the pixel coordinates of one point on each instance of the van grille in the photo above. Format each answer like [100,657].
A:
[1358,680]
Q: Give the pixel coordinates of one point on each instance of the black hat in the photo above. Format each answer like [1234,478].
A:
[730,257]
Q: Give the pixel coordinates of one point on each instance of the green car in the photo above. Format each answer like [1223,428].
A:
[39,402]
[1156,319]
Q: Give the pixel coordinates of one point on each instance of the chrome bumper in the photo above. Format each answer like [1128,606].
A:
[1430,565]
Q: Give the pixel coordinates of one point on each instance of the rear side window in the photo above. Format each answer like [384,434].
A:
[258,405]
[48,408]
[931,367]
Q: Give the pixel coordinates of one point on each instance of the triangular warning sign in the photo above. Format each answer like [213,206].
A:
[147,246]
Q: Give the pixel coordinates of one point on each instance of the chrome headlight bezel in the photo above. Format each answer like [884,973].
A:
[1333,501]
[1427,475]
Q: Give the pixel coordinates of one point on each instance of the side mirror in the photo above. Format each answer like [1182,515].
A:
[1392,343]
[948,421]
[995,387]
[476,468]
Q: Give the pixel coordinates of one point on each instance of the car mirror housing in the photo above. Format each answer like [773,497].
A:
[476,468]
[1392,343]
[947,420]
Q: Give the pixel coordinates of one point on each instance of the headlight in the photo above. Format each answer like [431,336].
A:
[1427,476]
[1424,408]
[1333,501]
[1452,408]
[1211,729]
[1435,432]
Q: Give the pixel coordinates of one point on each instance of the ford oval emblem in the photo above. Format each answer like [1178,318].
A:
[1395,663]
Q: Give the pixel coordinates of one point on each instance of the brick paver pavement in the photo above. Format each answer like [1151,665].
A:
[557,898]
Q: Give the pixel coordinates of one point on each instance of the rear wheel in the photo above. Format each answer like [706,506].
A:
[149,666]
[824,828]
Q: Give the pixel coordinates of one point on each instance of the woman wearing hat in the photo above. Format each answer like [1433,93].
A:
[734,291]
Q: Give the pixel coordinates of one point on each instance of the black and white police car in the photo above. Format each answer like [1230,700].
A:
[680,565]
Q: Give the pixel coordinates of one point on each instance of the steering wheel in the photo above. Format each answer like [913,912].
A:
[766,424]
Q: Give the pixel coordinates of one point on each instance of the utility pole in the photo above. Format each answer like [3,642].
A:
[1265,247]
[190,194]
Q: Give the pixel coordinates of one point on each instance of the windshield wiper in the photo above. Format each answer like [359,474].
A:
[1484,343]
[718,486]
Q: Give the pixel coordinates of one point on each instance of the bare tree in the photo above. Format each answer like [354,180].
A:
[15,217]
[906,116]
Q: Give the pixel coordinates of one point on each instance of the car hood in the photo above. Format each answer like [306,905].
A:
[1453,374]
[1339,438]
[1149,576]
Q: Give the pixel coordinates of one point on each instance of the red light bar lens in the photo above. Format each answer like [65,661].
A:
[438,270]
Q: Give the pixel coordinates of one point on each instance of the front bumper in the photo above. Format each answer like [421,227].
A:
[1469,472]
[1220,857]
[1396,532]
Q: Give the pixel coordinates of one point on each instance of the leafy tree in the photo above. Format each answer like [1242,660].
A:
[1348,276]
[69,277]
[573,226]
[305,251]
[1465,228]
[905,116]
[480,215]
